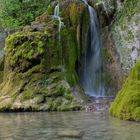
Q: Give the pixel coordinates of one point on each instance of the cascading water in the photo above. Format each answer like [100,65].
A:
[91,76]
[56,15]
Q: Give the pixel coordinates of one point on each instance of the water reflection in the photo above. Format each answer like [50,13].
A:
[45,126]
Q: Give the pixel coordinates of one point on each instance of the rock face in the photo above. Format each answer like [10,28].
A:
[127,103]
[126,33]
[113,75]
[121,41]
[39,69]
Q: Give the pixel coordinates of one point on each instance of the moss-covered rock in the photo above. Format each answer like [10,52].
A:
[24,50]
[127,103]
[1,76]
[1,69]
[33,78]
[39,69]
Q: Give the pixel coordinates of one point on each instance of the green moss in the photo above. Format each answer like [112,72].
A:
[35,69]
[1,76]
[107,79]
[50,10]
[1,64]
[74,17]
[6,104]
[40,47]
[29,94]
[53,57]
[136,114]
[70,56]
[54,104]
[129,9]
[1,70]
[25,46]
[72,13]
[68,97]
[61,104]
[106,55]
[65,108]
[127,103]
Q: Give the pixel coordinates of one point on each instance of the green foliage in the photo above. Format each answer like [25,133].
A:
[99,2]
[50,10]
[1,76]
[15,13]
[127,103]
[1,64]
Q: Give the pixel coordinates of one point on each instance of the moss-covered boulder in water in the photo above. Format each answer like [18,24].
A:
[39,69]
[127,103]
[33,80]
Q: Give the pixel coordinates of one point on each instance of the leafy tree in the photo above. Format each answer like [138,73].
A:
[15,13]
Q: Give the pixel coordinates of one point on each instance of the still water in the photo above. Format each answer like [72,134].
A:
[45,126]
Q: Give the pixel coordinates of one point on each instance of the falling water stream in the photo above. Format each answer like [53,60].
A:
[92,76]
[56,15]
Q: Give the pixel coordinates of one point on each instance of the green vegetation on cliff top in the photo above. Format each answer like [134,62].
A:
[15,13]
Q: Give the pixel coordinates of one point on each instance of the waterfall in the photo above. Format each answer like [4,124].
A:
[91,80]
[56,15]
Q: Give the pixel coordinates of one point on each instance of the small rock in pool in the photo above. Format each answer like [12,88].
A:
[71,134]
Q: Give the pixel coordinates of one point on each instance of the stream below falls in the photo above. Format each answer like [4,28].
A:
[46,126]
